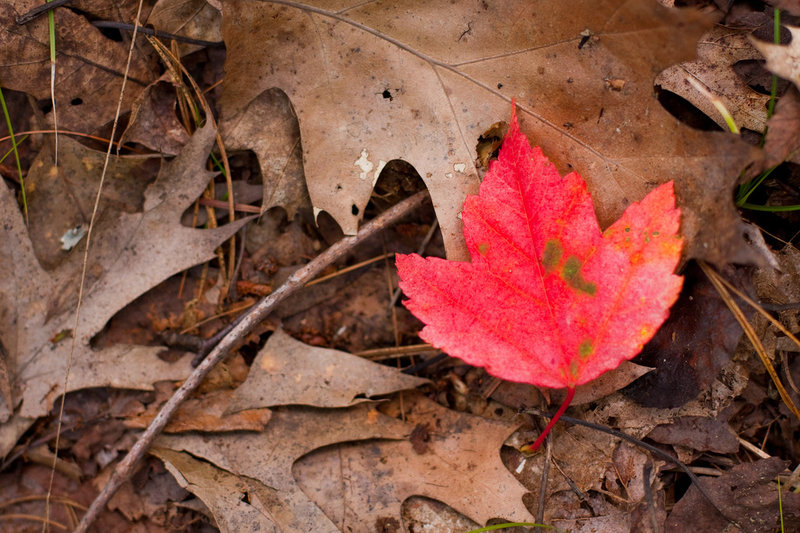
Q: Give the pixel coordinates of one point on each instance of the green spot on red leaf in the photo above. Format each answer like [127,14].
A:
[483,248]
[573,369]
[521,312]
[585,349]
[573,277]
[552,255]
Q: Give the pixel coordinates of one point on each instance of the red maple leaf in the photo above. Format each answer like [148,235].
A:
[547,298]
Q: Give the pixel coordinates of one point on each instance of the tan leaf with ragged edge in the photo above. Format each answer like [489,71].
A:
[132,252]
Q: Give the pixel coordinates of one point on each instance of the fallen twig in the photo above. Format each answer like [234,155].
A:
[257,314]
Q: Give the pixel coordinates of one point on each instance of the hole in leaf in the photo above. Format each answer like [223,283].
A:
[112,34]
[354,210]
[684,111]
[45,106]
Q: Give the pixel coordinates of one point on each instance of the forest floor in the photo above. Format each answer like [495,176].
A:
[270,132]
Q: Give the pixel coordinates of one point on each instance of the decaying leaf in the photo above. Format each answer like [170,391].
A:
[206,413]
[359,484]
[62,197]
[267,458]
[697,433]
[718,51]
[89,65]
[637,420]
[783,60]
[584,86]
[153,121]
[448,462]
[747,493]
[288,372]
[782,142]
[238,503]
[268,127]
[132,252]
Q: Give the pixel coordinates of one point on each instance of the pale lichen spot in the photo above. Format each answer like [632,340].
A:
[460,167]
[72,237]
[364,164]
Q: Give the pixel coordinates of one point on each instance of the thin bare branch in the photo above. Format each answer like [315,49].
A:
[257,314]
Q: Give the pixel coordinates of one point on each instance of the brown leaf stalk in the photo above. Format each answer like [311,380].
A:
[257,314]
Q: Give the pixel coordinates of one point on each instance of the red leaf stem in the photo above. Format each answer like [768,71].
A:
[564,405]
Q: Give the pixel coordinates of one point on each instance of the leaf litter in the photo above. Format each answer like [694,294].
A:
[88,69]
[133,252]
[599,119]
[620,140]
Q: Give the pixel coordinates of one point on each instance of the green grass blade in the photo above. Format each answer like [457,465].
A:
[14,144]
[746,189]
[780,503]
[507,525]
[776,38]
[771,208]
